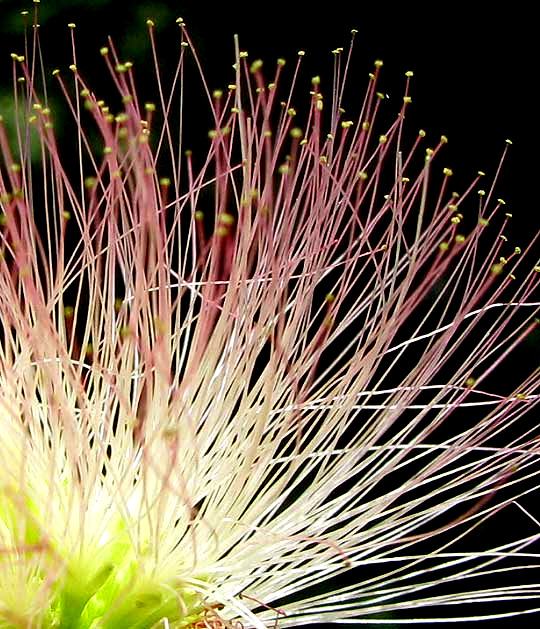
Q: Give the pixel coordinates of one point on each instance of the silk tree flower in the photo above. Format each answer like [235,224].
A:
[267,386]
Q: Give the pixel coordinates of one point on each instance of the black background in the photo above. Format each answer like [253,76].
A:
[474,64]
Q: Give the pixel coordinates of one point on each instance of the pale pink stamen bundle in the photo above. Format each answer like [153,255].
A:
[271,376]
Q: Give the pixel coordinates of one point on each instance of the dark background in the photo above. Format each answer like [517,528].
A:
[474,64]
[475,72]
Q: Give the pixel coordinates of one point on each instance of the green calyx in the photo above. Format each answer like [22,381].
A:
[108,601]
[138,606]
[106,589]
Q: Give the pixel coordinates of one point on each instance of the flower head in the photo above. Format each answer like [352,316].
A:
[259,387]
